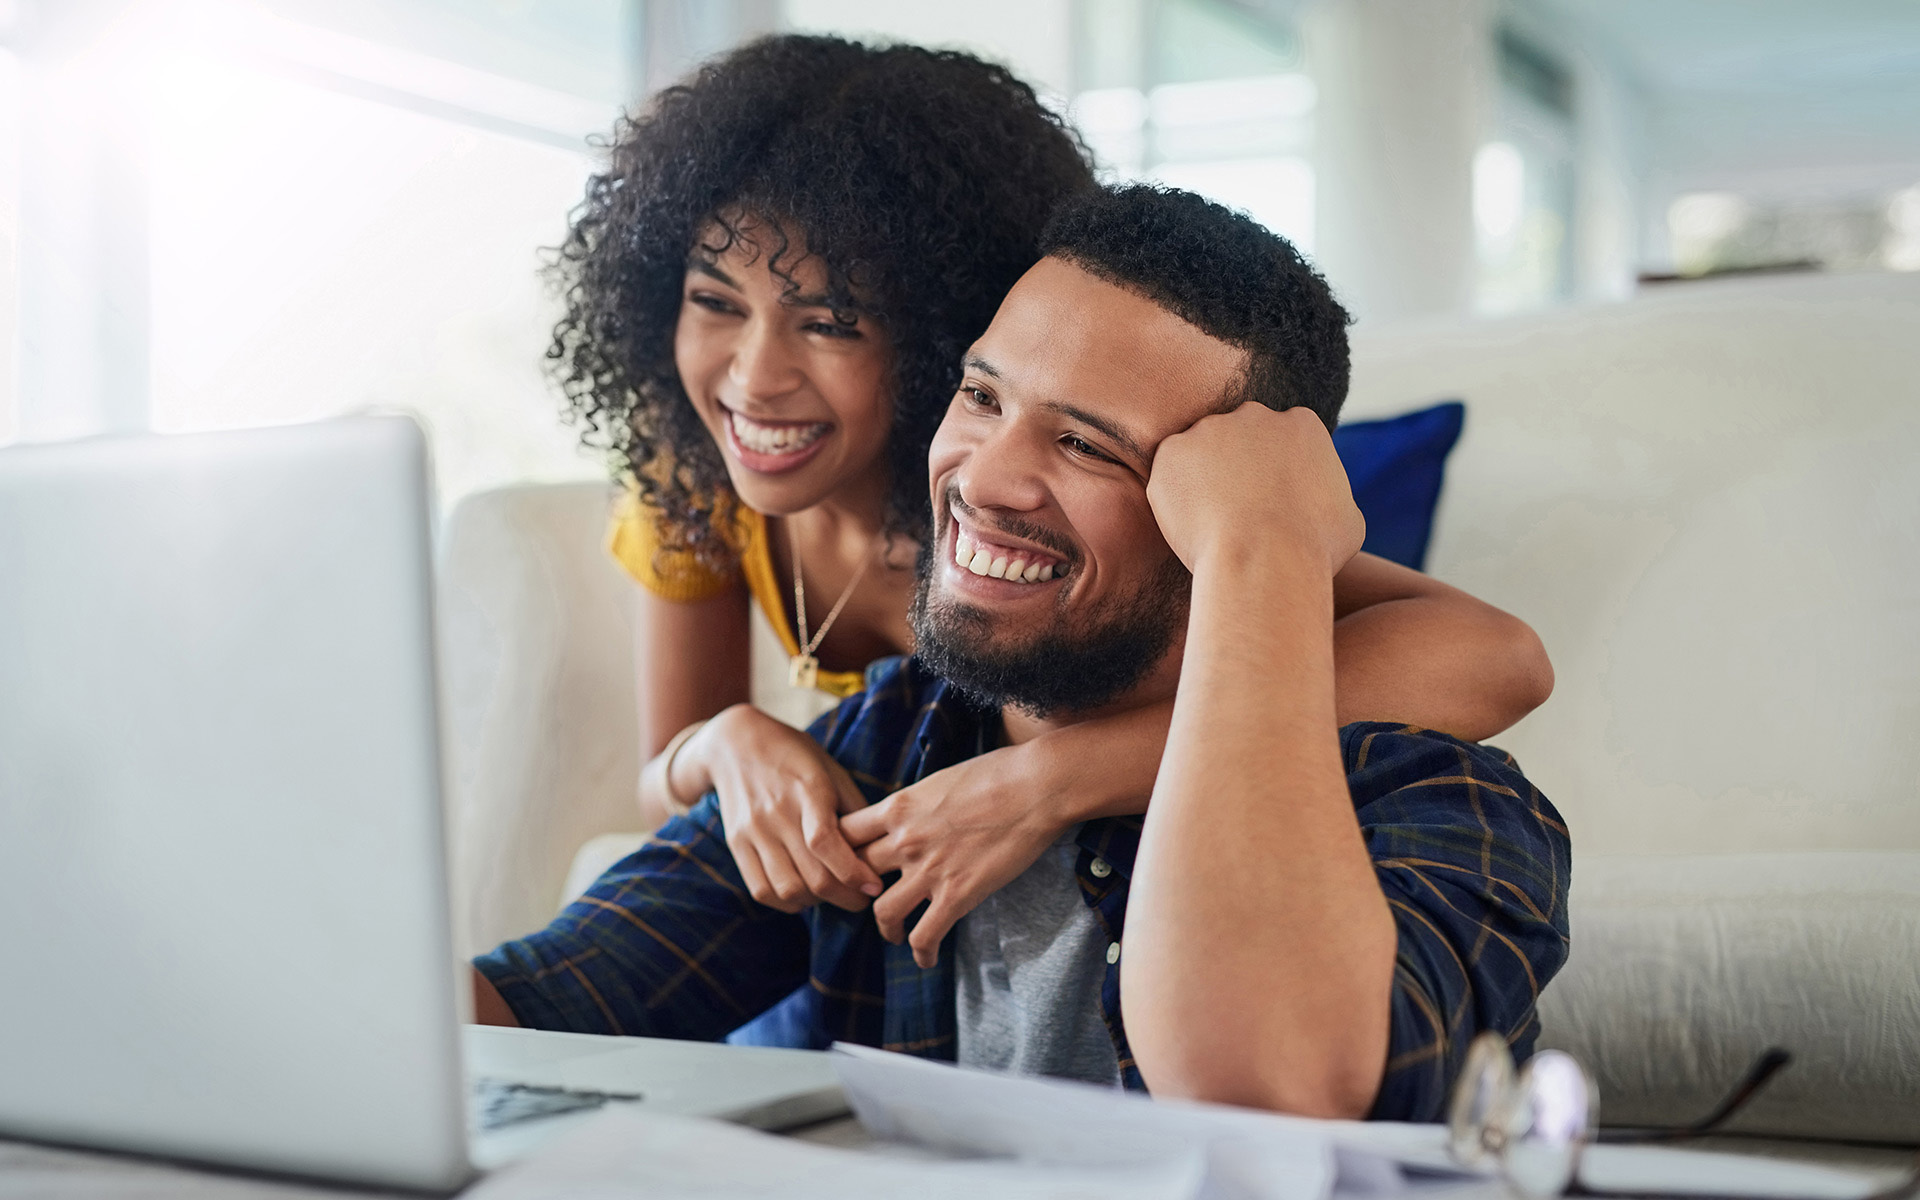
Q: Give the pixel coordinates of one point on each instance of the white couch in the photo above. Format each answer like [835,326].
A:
[1707,501]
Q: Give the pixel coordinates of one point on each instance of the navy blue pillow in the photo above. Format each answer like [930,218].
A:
[1396,467]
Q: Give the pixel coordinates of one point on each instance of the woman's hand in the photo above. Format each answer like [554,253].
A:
[781,798]
[956,837]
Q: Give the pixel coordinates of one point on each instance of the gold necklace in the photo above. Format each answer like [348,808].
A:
[803,670]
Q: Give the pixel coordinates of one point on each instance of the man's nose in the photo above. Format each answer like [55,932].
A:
[762,365]
[1005,471]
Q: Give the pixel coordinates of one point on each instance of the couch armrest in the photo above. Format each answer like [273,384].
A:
[537,682]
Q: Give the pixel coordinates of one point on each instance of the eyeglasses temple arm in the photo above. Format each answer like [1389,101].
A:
[1763,1069]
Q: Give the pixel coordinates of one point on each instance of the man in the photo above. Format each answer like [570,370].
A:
[1315,919]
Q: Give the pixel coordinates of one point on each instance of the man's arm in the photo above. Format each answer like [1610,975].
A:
[488,1007]
[667,943]
[1258,961]
[1474,863]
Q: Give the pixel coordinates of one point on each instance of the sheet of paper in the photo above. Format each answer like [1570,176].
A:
[1248,1156]
[1672,1172]
[1636,1170]
[626,1152]
[1252,1155]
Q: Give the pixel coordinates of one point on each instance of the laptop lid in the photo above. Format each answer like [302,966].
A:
[222,885]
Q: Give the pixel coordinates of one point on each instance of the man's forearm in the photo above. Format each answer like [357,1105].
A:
[1259,949]
[489,1008]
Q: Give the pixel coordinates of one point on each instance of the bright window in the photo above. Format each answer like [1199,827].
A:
[338,205]
[1717,232]
[1523,184]
[1202,95]
[315,253]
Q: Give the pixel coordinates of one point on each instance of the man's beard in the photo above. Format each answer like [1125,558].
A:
[1056,669]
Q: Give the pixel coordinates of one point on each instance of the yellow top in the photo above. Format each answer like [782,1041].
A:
[634,541]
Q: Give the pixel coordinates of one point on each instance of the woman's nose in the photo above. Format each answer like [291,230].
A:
[762,366]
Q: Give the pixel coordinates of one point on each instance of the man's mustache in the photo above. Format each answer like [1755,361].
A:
[1018,527]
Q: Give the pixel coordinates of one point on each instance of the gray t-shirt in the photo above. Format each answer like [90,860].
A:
[1029,964]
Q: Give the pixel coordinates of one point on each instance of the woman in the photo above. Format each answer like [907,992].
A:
[769,292]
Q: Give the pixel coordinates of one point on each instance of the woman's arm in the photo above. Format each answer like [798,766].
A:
[690,660]
[1407,647]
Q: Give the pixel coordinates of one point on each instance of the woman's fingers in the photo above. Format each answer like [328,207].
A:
[862,827]
[895,905]
[812,859]
[747,859]
[931,929]
[822,843]
[882,855]
[789,892]
[847,791]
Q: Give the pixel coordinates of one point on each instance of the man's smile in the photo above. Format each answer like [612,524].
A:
[981,556]
[1010,563]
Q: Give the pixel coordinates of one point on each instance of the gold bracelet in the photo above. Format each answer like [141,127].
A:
[674,802]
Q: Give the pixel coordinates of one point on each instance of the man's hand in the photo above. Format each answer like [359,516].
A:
[1251,476]
[956,837]
[781,798]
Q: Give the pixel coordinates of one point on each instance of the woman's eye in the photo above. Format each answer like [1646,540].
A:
[832,329]
[978,398]
[710,302]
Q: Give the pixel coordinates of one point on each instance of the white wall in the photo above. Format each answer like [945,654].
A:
[1404,93]
[9,242]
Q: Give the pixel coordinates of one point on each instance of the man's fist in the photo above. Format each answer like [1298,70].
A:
[1255,478]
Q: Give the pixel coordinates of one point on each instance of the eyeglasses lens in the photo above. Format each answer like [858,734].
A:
[1474,1121]
[1556,1109]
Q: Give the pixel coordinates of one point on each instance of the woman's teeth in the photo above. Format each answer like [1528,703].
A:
[764,438]
[999,563]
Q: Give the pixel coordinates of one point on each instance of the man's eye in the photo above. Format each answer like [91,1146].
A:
[1080,445]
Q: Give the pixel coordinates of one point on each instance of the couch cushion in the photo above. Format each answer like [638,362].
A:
[1685,967]
[1705,502]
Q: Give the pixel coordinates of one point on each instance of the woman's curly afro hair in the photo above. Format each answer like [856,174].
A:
[920,178]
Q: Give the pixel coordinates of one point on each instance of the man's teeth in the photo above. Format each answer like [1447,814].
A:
[763,438]
[999,565]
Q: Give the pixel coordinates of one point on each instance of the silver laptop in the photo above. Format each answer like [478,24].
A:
[223,892]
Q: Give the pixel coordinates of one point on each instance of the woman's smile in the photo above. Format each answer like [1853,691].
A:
[773,447]
[797,394]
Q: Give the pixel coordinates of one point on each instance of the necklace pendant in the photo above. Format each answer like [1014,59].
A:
[803,671]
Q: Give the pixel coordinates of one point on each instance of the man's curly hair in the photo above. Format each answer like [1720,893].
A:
[1224,274]
[920,178]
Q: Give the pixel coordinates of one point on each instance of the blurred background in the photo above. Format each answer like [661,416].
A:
[219,213]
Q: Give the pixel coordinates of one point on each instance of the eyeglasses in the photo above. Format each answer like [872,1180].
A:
[1533,1123]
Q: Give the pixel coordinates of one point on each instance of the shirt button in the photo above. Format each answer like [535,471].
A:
[1113,953]
[1100,868]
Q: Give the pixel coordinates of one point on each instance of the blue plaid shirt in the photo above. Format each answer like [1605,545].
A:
[1473,860]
